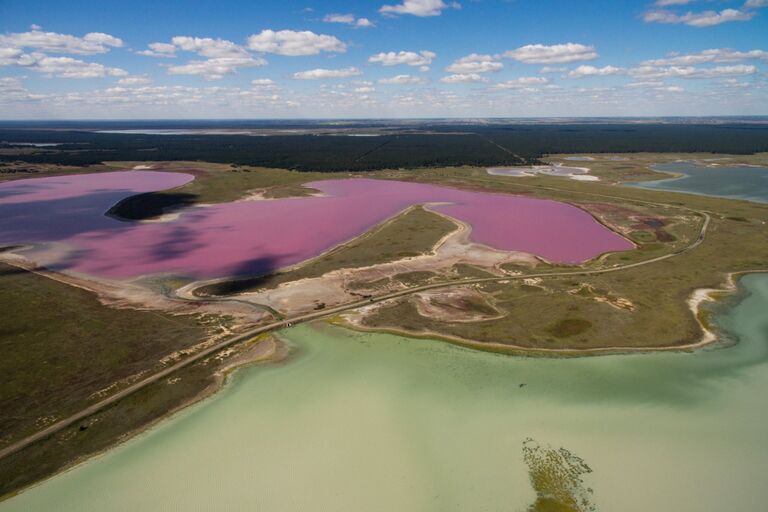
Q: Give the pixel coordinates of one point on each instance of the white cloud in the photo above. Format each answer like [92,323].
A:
[554,54]
[135,80]
[293,43]
[223,57]
[210,48]
[582,71]
[365,89]
[66,67]
[698,19]
[90,44]
[339,18]
[216,68]
[552,69]
[733,83]
[318,74]
[643,84]
[419,7]
[163,50]
[464,78]
[9,56]
[262,82]
[12,91]
[475,63]
[756,4]
[522,82]
[402,79]
[652,72]
[713,55]
[348,19]
[422,58]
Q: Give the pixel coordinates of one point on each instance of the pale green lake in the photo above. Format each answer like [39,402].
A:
[373,422]
[730,181]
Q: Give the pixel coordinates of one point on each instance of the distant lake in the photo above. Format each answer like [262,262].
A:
[735,182]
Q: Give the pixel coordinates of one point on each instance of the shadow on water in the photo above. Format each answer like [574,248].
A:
[178,241]
[150,205]
[261,272]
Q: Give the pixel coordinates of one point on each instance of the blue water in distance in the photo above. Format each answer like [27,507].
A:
[733,182]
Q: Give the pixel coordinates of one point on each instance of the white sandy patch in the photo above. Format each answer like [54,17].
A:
[556,169]
[580,158]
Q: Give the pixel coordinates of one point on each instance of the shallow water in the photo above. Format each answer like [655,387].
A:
[379,423]
[736,182]
[261,236]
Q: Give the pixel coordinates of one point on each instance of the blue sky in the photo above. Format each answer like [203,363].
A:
[383,58]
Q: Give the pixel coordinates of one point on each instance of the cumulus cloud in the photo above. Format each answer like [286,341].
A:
[216,68]
[422,58]
[475,63]
[66,67]
[210,48]
[52,42]
[698,19]
[222,57]
[582,71]
[9,56]
[653,72]
[419,7]
[552,69]
[162,50]
[12,90]
[262,82]
[318,74]
[713,55]
[135,80]
[756,4]
[348,19]
[402,80]
[553,54]
[464,78]
[293,43]
[523,83]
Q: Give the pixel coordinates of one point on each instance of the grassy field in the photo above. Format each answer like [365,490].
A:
[51,327]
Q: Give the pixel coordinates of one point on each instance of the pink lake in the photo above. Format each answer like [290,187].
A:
[254,237]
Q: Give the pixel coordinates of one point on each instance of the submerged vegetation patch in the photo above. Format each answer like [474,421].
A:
[557,477]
